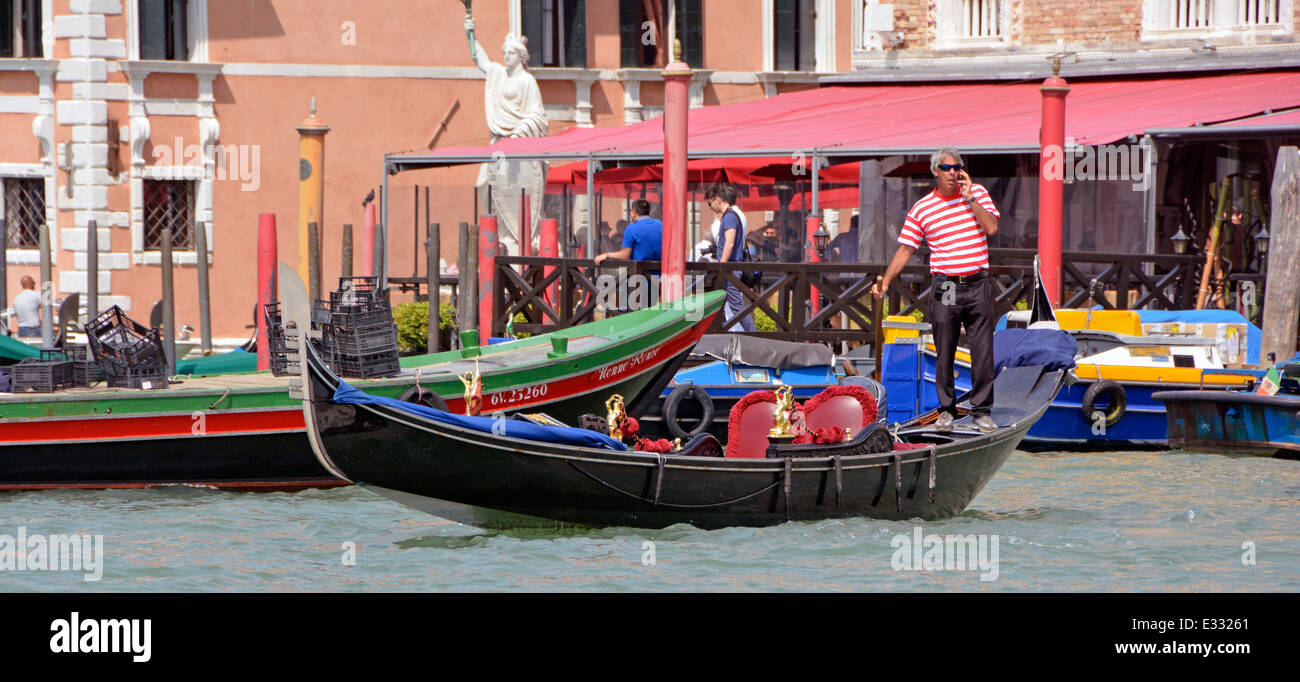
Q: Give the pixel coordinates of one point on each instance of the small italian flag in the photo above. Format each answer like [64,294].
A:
[1270,384]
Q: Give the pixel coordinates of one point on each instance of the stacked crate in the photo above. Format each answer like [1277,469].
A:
[276,348]
[129,353]
[47,374]
[358,331]
[85,371]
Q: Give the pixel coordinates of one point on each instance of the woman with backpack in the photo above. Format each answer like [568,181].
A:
[729,232]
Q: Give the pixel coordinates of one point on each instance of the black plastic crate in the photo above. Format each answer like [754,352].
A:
[320,313]
[148,378]
[86,374]
[380,338]
[41,377]
[274,329]
[120,343]
[361,315]
[356,290]
[367,366]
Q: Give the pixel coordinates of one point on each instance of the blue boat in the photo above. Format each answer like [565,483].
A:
[1124,358]
[1259,422]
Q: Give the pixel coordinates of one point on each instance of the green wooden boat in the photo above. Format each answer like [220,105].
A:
[245,431]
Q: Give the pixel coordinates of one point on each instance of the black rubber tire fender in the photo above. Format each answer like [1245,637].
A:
[1118,400]
[423,396]
[673,403]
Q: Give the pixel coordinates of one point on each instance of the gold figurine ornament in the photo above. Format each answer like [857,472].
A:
[614,415]
[473,391]
[784,412]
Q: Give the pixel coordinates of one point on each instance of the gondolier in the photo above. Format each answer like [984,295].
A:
[955,220]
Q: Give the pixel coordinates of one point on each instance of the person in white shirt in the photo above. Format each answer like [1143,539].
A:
[27,308]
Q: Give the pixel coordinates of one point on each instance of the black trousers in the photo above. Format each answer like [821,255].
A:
[952,305]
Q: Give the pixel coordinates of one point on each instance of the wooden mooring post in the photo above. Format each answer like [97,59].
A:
[1282,288]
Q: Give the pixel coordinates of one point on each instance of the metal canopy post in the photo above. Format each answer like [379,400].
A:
[591,207]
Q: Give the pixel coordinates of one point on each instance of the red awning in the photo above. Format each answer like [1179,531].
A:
[891,119]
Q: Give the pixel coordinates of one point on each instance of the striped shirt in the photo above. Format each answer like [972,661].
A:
[958,245]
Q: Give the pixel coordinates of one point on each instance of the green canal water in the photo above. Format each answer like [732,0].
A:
[1119,521]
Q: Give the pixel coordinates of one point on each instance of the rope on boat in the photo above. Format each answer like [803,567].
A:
[898,480]
[839,483]
[225,395]
[916,478]
[634,496]
[880,486]
[933,471]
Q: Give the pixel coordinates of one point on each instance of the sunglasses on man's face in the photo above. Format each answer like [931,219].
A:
[950,167]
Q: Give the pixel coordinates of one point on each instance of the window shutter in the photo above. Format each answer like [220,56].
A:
[630,32]
[31,28]
[690,29]
[783,26]
[153,29]
[531,22]
[575,15]
[807,36]
[180,37]
[6,28]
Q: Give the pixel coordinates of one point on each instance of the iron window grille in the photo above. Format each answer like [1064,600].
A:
[24,211]
[169,203]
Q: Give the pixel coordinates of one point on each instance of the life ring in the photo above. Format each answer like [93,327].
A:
[674,401]
[1115,394]
[423,396]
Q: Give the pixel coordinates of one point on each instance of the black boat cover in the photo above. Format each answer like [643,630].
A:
[347,394]
[735,349]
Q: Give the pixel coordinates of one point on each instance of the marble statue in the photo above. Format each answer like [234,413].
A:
[513,106]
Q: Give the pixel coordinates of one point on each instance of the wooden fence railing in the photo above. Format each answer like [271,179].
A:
[555,293]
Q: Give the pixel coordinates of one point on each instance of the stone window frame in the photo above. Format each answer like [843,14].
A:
[1153,28]
[196,29]
[948,16]
[824,36]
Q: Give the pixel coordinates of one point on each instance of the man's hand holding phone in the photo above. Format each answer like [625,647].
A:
[964,181]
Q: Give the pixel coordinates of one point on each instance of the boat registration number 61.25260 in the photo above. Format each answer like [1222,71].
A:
[515,395]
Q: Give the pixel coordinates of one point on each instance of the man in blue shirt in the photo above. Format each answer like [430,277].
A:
[643,239]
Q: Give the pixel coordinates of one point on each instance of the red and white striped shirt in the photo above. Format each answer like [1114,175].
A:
[958,245]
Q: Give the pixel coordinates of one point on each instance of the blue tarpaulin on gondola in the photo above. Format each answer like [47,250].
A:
[1049,348]
[348,394]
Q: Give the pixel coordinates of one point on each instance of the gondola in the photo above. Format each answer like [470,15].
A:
[501,474]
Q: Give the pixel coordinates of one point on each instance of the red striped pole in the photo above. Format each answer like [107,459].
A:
[1051,181]
[487,268]
[548,247]
[677,84]
[267,259]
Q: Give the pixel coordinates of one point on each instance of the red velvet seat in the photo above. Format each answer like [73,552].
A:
[845,407]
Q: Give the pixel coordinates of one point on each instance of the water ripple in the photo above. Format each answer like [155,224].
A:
[1131,521]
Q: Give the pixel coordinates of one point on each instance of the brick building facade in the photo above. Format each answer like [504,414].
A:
[139,114]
